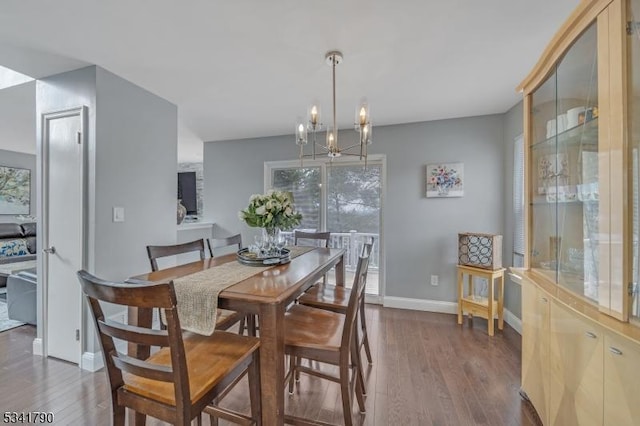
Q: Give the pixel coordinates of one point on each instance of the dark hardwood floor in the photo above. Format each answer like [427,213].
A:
[427,370]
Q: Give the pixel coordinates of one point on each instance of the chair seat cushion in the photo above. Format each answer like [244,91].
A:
[334,298]
[313,328]
[209,360]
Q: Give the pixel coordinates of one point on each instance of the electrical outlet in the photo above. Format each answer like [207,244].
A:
[434,280]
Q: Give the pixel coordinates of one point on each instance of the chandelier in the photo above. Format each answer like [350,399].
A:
[313,125]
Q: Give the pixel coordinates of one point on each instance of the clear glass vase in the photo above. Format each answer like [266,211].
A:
[270,241]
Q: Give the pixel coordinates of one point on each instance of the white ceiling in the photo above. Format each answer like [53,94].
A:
[248,68]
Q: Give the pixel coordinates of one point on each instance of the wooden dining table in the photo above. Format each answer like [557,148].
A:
[266,294]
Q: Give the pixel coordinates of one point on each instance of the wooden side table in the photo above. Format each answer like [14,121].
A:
[484,307]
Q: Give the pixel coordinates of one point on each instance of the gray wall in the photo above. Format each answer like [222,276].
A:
[136,159]
[420,233]
[132,157]
[23,161]
[513,127]
[18,134]
[18,118]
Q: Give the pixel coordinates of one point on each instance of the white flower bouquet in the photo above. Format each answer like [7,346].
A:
[271,210]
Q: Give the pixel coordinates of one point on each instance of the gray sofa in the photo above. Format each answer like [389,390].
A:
[14,231]
[21,296]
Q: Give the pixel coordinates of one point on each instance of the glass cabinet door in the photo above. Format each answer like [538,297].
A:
[544,173]
[564,171]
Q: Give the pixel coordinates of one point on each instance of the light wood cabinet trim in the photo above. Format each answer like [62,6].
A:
[576,304]
[620,246]
[604,163]
[577,22]
[528,179]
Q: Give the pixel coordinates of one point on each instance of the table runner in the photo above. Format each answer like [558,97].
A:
[197,294]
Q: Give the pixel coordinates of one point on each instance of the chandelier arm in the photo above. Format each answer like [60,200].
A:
[349,154]
[351,146]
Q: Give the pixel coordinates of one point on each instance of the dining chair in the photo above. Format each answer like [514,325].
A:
[321,238]
[216,243]
[248,322]
[157,252]
[225,318]
[328,337]
[336,298]
[189,371]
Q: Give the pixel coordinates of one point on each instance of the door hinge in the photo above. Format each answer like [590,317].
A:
[79,138]
[632,289]
[77,335]
[632,26]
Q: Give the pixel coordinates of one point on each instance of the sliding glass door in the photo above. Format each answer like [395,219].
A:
[344,198]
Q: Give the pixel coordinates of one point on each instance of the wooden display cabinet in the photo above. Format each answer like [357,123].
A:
[581,121]
[581,348]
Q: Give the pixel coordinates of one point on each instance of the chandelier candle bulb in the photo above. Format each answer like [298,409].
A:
[362,116]
[313,116]
[301,134]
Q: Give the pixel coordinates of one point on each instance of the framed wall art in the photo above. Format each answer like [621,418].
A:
[445,180]
[15,190]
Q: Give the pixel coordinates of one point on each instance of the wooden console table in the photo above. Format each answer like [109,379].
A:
[484,307]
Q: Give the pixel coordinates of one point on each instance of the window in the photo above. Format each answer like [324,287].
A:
[518,202]
[342,197]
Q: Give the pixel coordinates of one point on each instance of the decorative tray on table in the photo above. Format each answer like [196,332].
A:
[247,257]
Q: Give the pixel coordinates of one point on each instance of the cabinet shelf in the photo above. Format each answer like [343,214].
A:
[585,134]
[551,203]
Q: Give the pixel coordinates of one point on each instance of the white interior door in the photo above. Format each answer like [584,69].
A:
[63,237]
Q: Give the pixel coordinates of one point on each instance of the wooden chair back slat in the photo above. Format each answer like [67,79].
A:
[133,334]
[157,252]
[128,294]
[143,369]
[318,236]
[215,243]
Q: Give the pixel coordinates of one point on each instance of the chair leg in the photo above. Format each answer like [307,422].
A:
[346,394]
[140,419]
[292,372]
[254,388]
[242,325]
[358,374]
[298,364]
[119,415]
[252,326]
[213,420]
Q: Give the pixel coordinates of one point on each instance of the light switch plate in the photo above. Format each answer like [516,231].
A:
[118,214]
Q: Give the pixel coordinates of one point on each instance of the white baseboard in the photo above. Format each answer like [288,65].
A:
[420,305]
[91,361]
[37,347]
[441,307]
[513,321]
